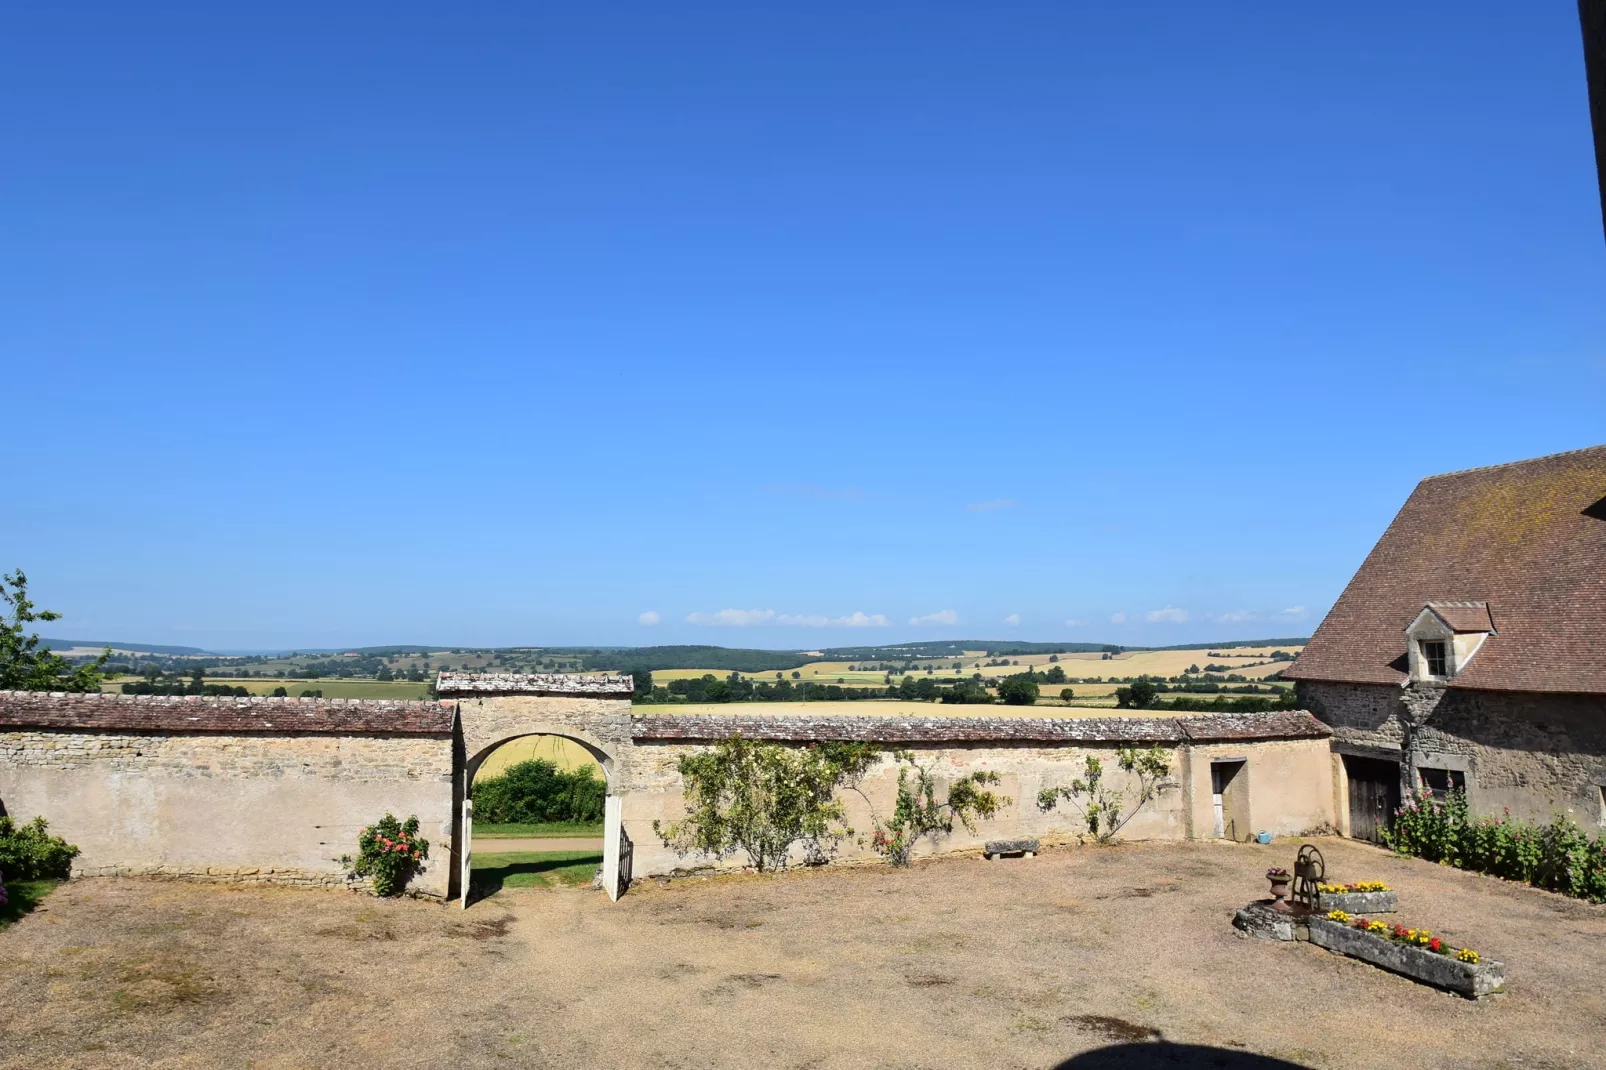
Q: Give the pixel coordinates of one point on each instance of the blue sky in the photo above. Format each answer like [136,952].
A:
[839,324]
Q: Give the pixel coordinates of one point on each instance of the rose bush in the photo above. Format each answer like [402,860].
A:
[389,851]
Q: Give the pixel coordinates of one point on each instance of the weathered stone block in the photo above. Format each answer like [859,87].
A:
[1260,921]
[1358,902]
[1473,980]
[998,848]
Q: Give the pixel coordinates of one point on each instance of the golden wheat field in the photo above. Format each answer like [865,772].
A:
[1249,662]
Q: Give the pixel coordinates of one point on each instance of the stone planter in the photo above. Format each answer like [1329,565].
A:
[1442,971]
[1358,902]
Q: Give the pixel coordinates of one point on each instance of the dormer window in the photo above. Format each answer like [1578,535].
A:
[1433,653]
[1445,636]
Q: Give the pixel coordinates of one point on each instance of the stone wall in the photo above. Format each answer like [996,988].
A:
[1534,754]
[220,807]
[1289,790]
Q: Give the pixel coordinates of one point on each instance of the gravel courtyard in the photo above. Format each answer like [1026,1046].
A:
[1065,959]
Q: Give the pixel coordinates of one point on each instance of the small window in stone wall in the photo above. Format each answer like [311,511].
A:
[1601,788]
[1433,655]
[1442,781]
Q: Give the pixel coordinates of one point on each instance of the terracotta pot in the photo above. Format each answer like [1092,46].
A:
[1279,886]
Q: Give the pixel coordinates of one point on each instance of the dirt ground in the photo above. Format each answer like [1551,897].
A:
[1081,957]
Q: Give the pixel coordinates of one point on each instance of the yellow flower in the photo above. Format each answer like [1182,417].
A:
[1337,915]
[1466,954]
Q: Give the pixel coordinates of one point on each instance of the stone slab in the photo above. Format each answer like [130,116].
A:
[993,848]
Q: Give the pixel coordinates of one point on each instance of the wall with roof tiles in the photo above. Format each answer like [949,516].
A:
[1289,791]
[225,807]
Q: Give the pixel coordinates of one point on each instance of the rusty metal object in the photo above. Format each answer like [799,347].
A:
[1310,869]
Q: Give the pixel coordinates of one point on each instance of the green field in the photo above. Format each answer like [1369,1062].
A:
[491,872]
[549,829]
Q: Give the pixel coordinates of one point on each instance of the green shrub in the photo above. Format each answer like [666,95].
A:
[390,852]
[28,852]
[1558,856]
[537,791]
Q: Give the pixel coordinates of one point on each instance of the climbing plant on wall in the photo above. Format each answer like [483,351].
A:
[918,814]
[765,800]
[1107,809]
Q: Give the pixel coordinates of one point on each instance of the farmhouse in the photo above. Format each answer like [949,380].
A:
[1469,651]
[276,790]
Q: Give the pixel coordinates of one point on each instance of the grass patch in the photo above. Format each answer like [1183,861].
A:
[24,896]
[531,869]
[548,829]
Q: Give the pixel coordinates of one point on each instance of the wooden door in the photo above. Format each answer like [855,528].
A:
[1374,795]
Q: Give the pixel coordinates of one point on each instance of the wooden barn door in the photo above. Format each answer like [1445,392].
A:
[1374,795]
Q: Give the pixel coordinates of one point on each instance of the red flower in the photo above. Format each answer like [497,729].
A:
[1434,944]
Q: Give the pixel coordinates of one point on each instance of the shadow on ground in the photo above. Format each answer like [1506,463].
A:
[1163,1054]
[486,881]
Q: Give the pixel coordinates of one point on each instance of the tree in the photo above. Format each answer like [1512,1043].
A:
[1136,697]
[280,692]
[918,815]
[765,799]
[537,791]
[24,665]
[1056,675]
[1066,694]
[1104,809]
[1018,690]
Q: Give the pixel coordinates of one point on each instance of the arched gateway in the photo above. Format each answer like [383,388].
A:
[493,708]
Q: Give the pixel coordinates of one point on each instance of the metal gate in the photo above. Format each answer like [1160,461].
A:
[1374,795]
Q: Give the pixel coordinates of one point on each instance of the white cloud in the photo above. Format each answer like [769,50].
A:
[989,506]
[753,618]
[1235,616]
[1012,620]
[1117,618]
[1293,611]
[1168,615]
[649,618]
[1075,623]
[943,616]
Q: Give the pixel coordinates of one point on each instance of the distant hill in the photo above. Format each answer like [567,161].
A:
[692,657]
[138,648]
[950,648]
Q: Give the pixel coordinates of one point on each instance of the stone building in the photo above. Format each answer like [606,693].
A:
[1469,651]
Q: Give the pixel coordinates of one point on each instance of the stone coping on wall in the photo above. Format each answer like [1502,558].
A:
[532,683]
[191,713]
[790,728]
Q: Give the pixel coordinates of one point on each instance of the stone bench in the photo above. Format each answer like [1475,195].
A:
[1018,848]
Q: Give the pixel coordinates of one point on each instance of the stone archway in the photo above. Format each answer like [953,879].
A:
[593,712]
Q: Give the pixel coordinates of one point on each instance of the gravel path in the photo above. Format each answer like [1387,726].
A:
[1053,961]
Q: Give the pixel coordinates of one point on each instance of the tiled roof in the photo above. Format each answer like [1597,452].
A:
[257,715]
[1464,616]
[531,683]
[1528,539]
[1291,724]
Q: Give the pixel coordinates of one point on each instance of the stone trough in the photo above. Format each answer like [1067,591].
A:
[1357,902]
[1473,980]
